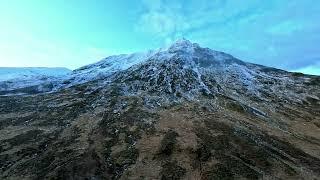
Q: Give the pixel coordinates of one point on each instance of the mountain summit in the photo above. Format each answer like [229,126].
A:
[183,45]
[182,112]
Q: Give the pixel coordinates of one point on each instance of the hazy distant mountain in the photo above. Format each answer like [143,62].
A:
[29,80]
[11,73]
[183,112]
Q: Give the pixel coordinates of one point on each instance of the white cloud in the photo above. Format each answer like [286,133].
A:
[173,19]
[158,23]
[163,19]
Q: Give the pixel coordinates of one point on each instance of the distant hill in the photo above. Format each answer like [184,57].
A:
[29,79]
[10,73]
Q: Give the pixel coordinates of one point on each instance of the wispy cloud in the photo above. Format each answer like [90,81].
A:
[283,34]
[174,18]
[274,33]
[163,19]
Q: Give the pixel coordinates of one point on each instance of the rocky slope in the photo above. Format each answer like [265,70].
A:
[184,112]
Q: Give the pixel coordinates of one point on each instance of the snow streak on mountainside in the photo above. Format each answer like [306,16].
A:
[107,67]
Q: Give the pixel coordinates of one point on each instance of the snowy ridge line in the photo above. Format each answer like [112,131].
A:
[208,66]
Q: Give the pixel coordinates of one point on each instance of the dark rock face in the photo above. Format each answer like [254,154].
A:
[189,113]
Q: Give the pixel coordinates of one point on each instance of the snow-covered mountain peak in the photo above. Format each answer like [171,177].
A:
[183,41]
[184,65]
[182,53]
[190,52]
[182,49]
[182,45]
[108,66]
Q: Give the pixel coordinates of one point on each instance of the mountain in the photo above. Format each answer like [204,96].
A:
[29,80]
[182,112]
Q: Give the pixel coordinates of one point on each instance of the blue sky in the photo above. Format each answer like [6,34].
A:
[278,33]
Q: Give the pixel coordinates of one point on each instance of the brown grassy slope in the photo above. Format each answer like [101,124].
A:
[104,135]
